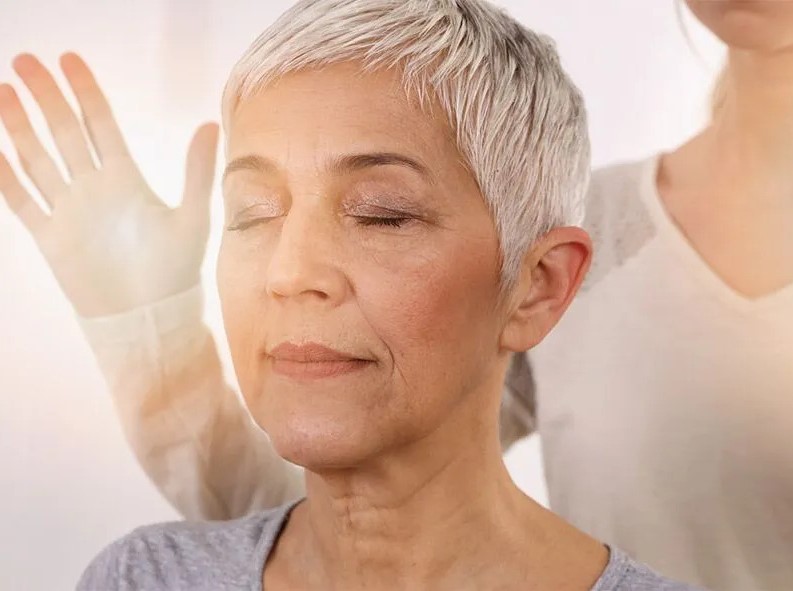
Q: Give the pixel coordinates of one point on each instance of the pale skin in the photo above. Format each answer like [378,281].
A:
[101,228]
[730,188]
[397,265]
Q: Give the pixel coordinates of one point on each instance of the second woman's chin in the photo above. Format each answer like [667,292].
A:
[750,26]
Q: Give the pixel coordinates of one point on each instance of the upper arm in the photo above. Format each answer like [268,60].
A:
[616,218]
[186,426]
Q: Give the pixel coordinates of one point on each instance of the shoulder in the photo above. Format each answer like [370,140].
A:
[625,574]
[616,217]
[186,555]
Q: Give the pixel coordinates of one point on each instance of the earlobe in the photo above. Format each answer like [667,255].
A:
[551,274]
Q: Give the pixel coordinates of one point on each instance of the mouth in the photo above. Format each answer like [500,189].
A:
[312,360]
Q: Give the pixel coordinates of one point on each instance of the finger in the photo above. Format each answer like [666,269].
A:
[19,200]
[107,139]
[64,125]
[35,160]
[200,169]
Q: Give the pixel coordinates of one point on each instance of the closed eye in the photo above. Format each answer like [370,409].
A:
[249,222]
[393,222]
[244,225]
[258,213]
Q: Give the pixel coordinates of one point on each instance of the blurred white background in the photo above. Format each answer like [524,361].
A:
[68,484]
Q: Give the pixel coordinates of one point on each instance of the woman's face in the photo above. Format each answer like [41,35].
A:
[358,271]
[755,25]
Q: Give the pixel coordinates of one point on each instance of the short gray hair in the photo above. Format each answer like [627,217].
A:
[519,121]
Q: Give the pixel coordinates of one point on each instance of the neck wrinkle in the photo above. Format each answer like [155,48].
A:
[396,525]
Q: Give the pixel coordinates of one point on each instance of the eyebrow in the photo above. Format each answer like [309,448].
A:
[249,162]
[338,165]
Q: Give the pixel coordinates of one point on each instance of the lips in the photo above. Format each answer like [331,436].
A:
[312,360]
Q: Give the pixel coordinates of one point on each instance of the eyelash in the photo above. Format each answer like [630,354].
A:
[366,221]
[245,225]
[389,222]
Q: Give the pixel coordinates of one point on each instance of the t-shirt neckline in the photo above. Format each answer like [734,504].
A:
[615,571]
[267,544]
[698,268]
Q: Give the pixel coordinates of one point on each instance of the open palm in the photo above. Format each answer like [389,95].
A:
[110,241]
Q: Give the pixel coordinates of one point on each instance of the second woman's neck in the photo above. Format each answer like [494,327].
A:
[754,125]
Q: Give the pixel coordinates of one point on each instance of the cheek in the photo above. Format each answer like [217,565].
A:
[433,311]
[238,289]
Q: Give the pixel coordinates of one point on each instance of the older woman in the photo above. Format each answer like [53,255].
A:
[401,194]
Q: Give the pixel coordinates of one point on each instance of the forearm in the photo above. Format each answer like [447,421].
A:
[186,426]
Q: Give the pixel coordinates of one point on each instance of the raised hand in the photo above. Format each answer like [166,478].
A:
[110,241]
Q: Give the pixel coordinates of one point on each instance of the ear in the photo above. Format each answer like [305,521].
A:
[551,273]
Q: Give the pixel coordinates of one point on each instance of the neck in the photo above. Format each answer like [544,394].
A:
[399,523]
[407,521]
[752,131]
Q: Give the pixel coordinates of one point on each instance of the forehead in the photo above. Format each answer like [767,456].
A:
[340,108]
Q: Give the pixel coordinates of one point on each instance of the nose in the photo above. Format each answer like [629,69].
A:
[307,260]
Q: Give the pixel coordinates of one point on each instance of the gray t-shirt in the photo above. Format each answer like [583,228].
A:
[230,556]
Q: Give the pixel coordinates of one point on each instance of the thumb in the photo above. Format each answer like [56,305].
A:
[200,170]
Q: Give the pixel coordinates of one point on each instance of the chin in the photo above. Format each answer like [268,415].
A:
[748,25]
[319,441]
